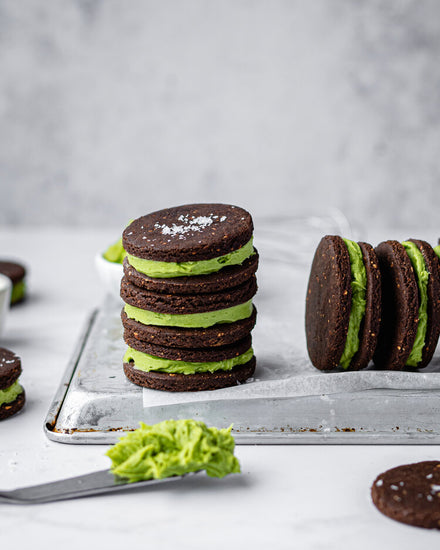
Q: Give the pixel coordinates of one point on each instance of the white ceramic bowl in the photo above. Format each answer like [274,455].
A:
[110,274]
[5,299]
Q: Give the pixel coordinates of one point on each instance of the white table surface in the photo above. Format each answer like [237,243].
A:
[286,497]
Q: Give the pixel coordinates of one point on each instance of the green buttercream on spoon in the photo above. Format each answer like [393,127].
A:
[173,448]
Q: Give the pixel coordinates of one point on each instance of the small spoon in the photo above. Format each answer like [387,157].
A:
[95,483]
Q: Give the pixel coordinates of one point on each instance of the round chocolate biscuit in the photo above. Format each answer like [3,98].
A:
[190,382]
[227,277]
[328,303]
[16,272]
[218,353]
[369,330]
[190,232]
[400,306]
[179,337]
[187,303]
[433,327]
[9,409]
[10,368]
[410,494]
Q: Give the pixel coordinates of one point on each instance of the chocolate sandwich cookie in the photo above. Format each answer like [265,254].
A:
[12,396]
[343,304]
[16,272]
[179,337]
[227,277]
[200,381]
[187,303]
[410,494]
[188,233]
[411,304]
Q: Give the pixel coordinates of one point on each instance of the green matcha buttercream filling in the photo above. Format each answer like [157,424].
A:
[146,362]
[173,448]
[10,394]
[190,320]
[358,302]
[181,269]
[422,277]
[18,291]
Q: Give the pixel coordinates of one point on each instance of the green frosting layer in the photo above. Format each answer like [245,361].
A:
[358,302]
[201,267]
[115,253]
[146,362]
[172,448]
[190,320]
[422,277]
[18,291]
[10,394]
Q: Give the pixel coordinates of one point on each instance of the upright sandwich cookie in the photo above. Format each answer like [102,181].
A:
[189,280]
[343,304]
[411,304]
[12,396]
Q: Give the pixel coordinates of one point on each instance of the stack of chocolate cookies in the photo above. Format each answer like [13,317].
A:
[189,279]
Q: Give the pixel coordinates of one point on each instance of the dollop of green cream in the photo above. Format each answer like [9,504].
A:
[10,394]
[190,320]
[422,277]
[437,250]
[146,362]
[201,267]
[18,291]
[115,253]
[173,448]
[358,302]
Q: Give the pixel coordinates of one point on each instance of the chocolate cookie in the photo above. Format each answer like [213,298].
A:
[12,396]
[190,382]
[411,304]
[187,303]
[217,335]
[228,277]
[330,301]
[219,353]
[410,494]
[190,232]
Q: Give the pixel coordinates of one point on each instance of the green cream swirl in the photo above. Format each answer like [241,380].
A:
[422,277]
[358,302]
[146,362]
[10,394]
[173,448]
[182,269]
[190,320]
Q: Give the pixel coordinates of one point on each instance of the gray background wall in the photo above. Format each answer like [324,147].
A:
[113,108]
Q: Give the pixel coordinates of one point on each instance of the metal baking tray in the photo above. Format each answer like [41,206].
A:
[96,404]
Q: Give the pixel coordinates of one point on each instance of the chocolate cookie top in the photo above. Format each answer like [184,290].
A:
[410,494]
[14,271]
[400,306]
[328,303]
[10,368]
[190,232]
